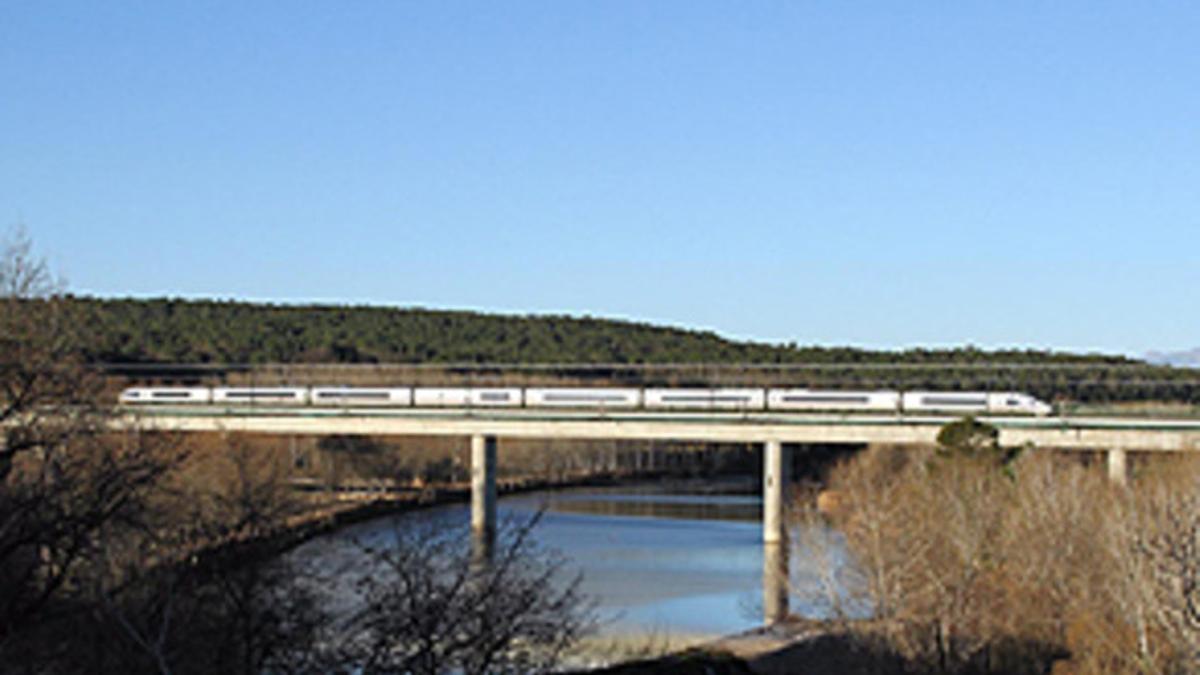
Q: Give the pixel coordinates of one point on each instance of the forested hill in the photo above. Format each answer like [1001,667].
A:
[181,331]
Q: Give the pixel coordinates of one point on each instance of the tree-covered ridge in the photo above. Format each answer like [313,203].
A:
[207,331]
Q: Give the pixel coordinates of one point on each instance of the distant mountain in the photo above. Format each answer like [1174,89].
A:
[1184,359]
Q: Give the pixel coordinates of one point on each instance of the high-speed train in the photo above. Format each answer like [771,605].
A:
[745,400]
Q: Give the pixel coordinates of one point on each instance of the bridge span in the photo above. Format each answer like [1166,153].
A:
[1080,433]
[776,432]
[1116,436]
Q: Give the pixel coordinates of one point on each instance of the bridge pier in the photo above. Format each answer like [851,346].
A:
[1118,470]
[483,490]
[776,465]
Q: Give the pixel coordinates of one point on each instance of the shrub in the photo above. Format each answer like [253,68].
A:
[974,566]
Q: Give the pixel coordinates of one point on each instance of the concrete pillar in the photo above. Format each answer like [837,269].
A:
[1117,469]
[775,582]
[776,464]
[483,487]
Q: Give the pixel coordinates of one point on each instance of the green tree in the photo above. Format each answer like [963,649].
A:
[968,438]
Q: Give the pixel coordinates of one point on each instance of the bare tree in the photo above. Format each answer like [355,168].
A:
[227,601]
[1166,538]
[828,583]
[432,606]
[111,560]
[989,562]
[68,484]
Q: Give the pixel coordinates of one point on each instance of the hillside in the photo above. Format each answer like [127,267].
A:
[180,331]
[126,335]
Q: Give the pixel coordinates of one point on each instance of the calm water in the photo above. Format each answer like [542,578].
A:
[667,564]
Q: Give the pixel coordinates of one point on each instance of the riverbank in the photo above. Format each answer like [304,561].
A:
[792,647]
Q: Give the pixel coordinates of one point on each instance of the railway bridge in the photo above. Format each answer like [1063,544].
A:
[778,434]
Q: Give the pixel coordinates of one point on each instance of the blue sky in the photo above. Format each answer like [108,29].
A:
[873,173]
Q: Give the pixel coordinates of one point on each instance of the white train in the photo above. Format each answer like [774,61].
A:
[692,398]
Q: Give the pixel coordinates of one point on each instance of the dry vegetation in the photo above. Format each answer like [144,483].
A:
[984,562]
[148,553]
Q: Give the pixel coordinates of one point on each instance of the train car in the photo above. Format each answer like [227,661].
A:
[438,397]
[583,398]
[462,397]
[165,395]
[705,399]
[974,402]
[260,395]
[945,401]
[343,397]
[833,400]
[1013,402]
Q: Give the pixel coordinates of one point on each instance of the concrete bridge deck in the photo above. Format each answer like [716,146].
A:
[1092,433]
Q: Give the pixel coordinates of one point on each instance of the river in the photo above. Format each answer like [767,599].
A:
[666,565]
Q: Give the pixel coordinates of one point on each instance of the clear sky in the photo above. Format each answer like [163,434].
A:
[874,173]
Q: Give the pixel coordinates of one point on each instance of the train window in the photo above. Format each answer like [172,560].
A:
[493,396]
[827,399]
[378,395]
[951,400]
[700,398]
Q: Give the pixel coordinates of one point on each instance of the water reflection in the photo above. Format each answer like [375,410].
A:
[775,582]
[483,546]
[675,565]
[658,505]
